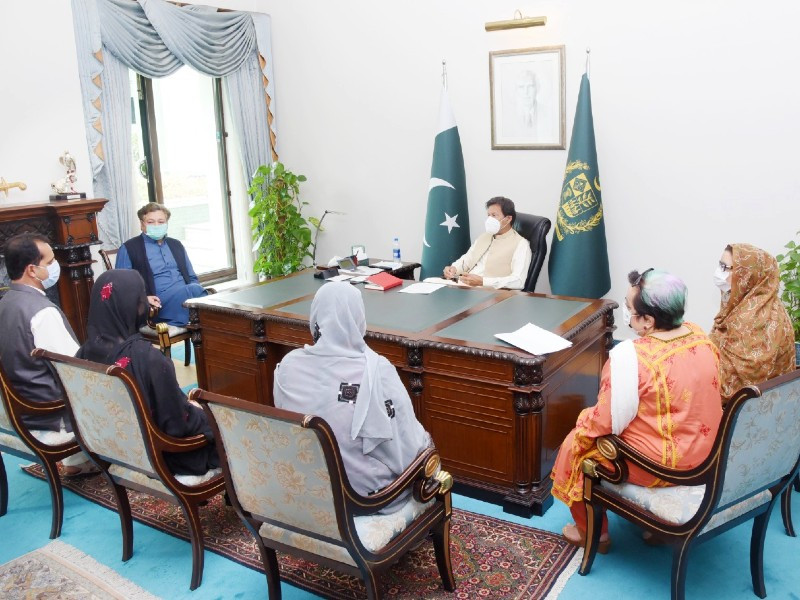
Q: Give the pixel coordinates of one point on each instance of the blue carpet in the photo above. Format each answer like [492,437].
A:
[719,569]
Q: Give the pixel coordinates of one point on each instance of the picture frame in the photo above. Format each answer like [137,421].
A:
[527,100]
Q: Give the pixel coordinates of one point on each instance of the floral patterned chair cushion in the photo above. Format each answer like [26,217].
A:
[105,415]
[675,504]
[374,532]
[154,484]
[11,440]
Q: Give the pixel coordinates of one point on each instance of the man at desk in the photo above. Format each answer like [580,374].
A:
[163,264]
[500,257]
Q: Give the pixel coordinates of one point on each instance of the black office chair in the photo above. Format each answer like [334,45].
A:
[534,229]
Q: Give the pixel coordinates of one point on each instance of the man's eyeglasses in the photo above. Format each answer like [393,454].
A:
[638,281]
[725,267]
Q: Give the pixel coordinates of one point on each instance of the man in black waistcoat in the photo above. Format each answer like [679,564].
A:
[28,320]
[163,264]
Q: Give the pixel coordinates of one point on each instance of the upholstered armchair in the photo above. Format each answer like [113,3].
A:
[286,480]
[45,447]
[534,229]
[114,427]
[751,465]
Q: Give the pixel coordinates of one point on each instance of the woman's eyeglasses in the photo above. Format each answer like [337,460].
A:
[638,281]
[725,267]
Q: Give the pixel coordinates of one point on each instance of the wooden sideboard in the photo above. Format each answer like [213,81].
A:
[71,227]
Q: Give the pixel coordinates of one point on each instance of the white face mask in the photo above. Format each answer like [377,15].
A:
[722,279]
[626,315]
[492,225]
[53,272]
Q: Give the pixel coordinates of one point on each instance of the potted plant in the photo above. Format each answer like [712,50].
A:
[789,265]
[281,234]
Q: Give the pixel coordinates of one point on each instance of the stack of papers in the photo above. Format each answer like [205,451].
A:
[387,264]
[422,288]
[443,281]
[360,271]
[534,339]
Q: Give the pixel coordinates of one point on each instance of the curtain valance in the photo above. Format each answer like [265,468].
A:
[155,38]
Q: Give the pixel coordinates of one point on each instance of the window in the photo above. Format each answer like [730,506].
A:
[179,160]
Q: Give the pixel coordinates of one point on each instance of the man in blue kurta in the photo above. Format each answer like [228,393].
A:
[163,264]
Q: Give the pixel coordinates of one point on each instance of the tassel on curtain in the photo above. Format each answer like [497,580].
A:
[155,38]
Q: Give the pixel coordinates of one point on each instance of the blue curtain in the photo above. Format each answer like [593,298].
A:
[155,38]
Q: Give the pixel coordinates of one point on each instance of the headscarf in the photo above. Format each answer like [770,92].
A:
[117,309]
[338,324]
[752,329]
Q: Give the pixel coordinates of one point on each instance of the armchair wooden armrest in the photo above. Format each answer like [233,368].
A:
[423,475]
[620,454]
[169,443]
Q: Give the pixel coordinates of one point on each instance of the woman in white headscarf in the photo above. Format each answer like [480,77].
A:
[358,392]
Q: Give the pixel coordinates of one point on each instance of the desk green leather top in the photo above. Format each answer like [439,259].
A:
[273,292]
[407,312]
[511,314]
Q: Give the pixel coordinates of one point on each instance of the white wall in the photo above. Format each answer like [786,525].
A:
[694,107]
[695,111]
[40,99]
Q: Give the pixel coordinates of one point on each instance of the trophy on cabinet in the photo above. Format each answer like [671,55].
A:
[64,188]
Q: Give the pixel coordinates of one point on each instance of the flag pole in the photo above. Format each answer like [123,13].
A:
[444,73]
[588,50]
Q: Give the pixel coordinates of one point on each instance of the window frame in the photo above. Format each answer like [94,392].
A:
[155,190]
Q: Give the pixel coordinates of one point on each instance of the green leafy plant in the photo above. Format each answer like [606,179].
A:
[789,265]
[281,234]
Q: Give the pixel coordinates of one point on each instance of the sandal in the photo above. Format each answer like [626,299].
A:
[84,469]
[576,537]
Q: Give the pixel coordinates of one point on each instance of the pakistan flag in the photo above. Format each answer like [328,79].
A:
[579,257]
[447,221]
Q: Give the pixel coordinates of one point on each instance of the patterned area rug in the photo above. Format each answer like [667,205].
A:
[61,571]
[491,558]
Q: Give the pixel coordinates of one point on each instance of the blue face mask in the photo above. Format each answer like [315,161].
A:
[53,272]
[156,232]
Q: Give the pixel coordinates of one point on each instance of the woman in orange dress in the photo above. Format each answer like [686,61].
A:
[659,393]
[752,329]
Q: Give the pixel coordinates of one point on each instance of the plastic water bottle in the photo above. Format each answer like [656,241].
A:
[396,249]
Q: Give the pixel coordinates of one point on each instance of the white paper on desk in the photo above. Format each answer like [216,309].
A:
[534,339]
[443,281]
[339,278]
[360,271]
[387,264]
[422,288]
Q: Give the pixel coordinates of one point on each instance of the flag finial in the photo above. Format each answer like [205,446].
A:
[588,50]
[444,73]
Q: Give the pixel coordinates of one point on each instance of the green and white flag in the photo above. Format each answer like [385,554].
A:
[447,220]
[579,256]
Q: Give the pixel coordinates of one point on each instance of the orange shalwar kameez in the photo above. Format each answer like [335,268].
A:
[677,421]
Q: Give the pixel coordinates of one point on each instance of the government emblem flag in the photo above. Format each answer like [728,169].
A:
[447,220]
[579,256]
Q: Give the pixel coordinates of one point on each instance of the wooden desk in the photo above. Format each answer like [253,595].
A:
[497,414]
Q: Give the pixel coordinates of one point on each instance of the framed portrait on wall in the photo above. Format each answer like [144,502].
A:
[527,99]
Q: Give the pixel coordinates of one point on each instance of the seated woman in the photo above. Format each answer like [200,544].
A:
[117,309]
[358,393]
[752,329]
[659,393]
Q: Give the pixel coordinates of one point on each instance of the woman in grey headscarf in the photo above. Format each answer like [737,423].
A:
[355,390]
